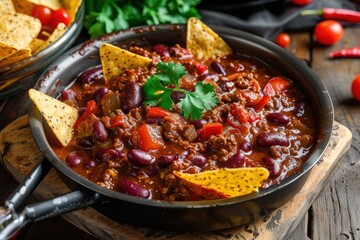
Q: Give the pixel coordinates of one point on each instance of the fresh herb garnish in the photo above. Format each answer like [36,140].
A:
[158,88]
[112,15]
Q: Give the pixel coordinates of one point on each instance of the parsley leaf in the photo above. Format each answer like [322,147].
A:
[158,88]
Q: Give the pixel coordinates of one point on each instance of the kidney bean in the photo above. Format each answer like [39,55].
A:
[100,93]
[67,94]
[99,131]
[218,67]
[177,96]
[166,160]
[272,139]
[107,154]
[89,164]
[91,74]
[131,188]
[198,160]
[278,118]
[226,86]
[84,142]
[208,76]
[132,97]
[235,161]
[73,158]
[161,50]
[152,170]
[245,146]
[198,124]
[299,109]
[272,165]
[139,157]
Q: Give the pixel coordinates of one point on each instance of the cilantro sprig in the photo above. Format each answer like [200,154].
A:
[107,16]
[158,89]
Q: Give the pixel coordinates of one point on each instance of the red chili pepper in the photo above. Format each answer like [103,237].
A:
[208,129]
[91,108]
[346,52]
[335,14]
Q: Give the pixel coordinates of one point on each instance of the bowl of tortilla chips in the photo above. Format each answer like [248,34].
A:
[26,46]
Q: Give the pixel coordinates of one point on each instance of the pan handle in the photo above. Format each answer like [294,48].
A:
[11,221]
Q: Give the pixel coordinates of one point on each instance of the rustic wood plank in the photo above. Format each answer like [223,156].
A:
[336,212]
[277,225]
[300,232]
[299,45]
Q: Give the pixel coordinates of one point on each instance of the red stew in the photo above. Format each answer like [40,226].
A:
[262,119]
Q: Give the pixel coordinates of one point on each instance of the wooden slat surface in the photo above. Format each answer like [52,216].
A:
[336,212]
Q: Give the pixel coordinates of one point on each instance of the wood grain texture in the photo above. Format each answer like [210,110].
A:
[276,225]
[336,212]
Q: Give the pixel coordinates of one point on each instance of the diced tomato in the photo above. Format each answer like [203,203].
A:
[150,138]
[157,112]
[59,16]
[91,108]
[251,97]
[262,103]
[238,116]
[210,128]
[116,121]
[201,69]
[276,85]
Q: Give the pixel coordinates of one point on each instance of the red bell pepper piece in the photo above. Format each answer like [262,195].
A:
[150,138]
[157,112]
[201,69]
[262,103]
[208,129]
[91,108]
[275,86]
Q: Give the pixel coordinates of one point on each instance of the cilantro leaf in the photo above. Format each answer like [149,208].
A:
[193,105]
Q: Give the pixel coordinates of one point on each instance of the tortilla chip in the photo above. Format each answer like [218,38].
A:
[15,57]
[115,60]
[204,43]
[7,6]
[228,182]
[26,6]
[59,116]
[6,50]
[56,34]
[72,7]
[17,31]
[36,44]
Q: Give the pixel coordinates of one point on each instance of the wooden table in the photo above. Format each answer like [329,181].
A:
[335,214]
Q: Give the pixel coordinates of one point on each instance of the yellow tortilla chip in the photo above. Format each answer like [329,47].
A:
[15,57]
[71,6]
[36,44]
[115,60]
[59,116]
[56,34]
[228,182]
[7,6]
[17,31]
[26,6]
[204,43]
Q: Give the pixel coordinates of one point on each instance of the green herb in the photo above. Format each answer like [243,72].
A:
[158,88]
[113,15]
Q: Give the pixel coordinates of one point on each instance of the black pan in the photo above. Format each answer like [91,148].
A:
[189,216]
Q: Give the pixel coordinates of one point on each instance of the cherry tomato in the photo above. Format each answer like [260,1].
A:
[283,40]
[355,87]
[59,16]
[328,32]
[301,2]
[43,14]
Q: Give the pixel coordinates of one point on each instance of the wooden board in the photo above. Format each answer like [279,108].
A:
[20,154]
